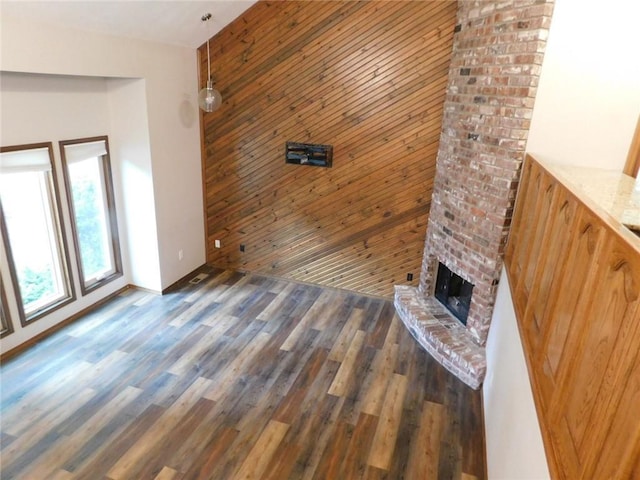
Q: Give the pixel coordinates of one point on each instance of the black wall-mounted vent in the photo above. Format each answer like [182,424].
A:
[309,154]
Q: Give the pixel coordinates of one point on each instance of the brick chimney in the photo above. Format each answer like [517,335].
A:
[495,67]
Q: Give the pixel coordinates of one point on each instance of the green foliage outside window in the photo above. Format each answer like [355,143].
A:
[89,223]
[35,285]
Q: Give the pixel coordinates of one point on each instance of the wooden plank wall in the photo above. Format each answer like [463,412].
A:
[368,78]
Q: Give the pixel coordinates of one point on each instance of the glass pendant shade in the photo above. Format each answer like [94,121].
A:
[209,99]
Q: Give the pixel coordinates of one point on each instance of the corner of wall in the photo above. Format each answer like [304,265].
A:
[513,438]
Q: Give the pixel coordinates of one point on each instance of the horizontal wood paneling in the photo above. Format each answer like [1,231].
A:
[366,77]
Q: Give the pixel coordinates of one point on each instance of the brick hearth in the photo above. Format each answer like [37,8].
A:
[442,335]
[493,77]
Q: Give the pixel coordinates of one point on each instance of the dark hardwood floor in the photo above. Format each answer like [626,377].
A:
[238,377]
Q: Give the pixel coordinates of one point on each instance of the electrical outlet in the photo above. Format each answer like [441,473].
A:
[216,243]
[242,247]
[409,277]
[180,254]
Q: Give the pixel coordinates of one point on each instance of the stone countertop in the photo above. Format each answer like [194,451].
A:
[616,193]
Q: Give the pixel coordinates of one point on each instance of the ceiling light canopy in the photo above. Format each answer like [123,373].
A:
[209,99]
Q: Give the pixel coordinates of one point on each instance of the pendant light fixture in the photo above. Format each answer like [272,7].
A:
[209,99]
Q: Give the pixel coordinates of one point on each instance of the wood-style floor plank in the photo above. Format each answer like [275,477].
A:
[48,463]
[237,377]
[260,455]
[425,451]
[128,463]
[348,365]
[386,434]
[167,474]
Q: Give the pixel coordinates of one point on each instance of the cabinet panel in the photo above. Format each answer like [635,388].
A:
[549,288]
[575,280]
[610,382]
[620,455]
[518,226]
[573,289]
[549,282]
[566,335]
[547,186]
[525,223]
[537,207]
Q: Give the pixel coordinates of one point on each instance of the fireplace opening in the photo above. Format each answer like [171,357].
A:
[453,292]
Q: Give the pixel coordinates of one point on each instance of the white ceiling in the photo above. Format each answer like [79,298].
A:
[176,22]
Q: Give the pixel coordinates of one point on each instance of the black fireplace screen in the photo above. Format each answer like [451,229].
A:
[454,293]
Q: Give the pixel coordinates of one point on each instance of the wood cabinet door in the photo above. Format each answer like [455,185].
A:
[552,276]
[619,456]
[533,213]
[522,222]
[564,335]
[534,249]
[603,347]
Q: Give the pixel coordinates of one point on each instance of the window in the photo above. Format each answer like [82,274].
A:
[6,327]
[30,222]
[87,173]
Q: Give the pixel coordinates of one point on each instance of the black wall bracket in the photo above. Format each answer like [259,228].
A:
[309,154]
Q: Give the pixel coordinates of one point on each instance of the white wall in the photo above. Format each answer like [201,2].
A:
[588,99]
[32,106]
[150,96]
[133,180]
[586,110]
[514,442]
[170,85]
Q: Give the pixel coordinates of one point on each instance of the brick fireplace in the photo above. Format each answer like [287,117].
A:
[495,66]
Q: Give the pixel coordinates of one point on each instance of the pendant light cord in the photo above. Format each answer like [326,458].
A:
[208,63]
[205,18]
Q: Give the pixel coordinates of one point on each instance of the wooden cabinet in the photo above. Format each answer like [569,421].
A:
[575,280]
